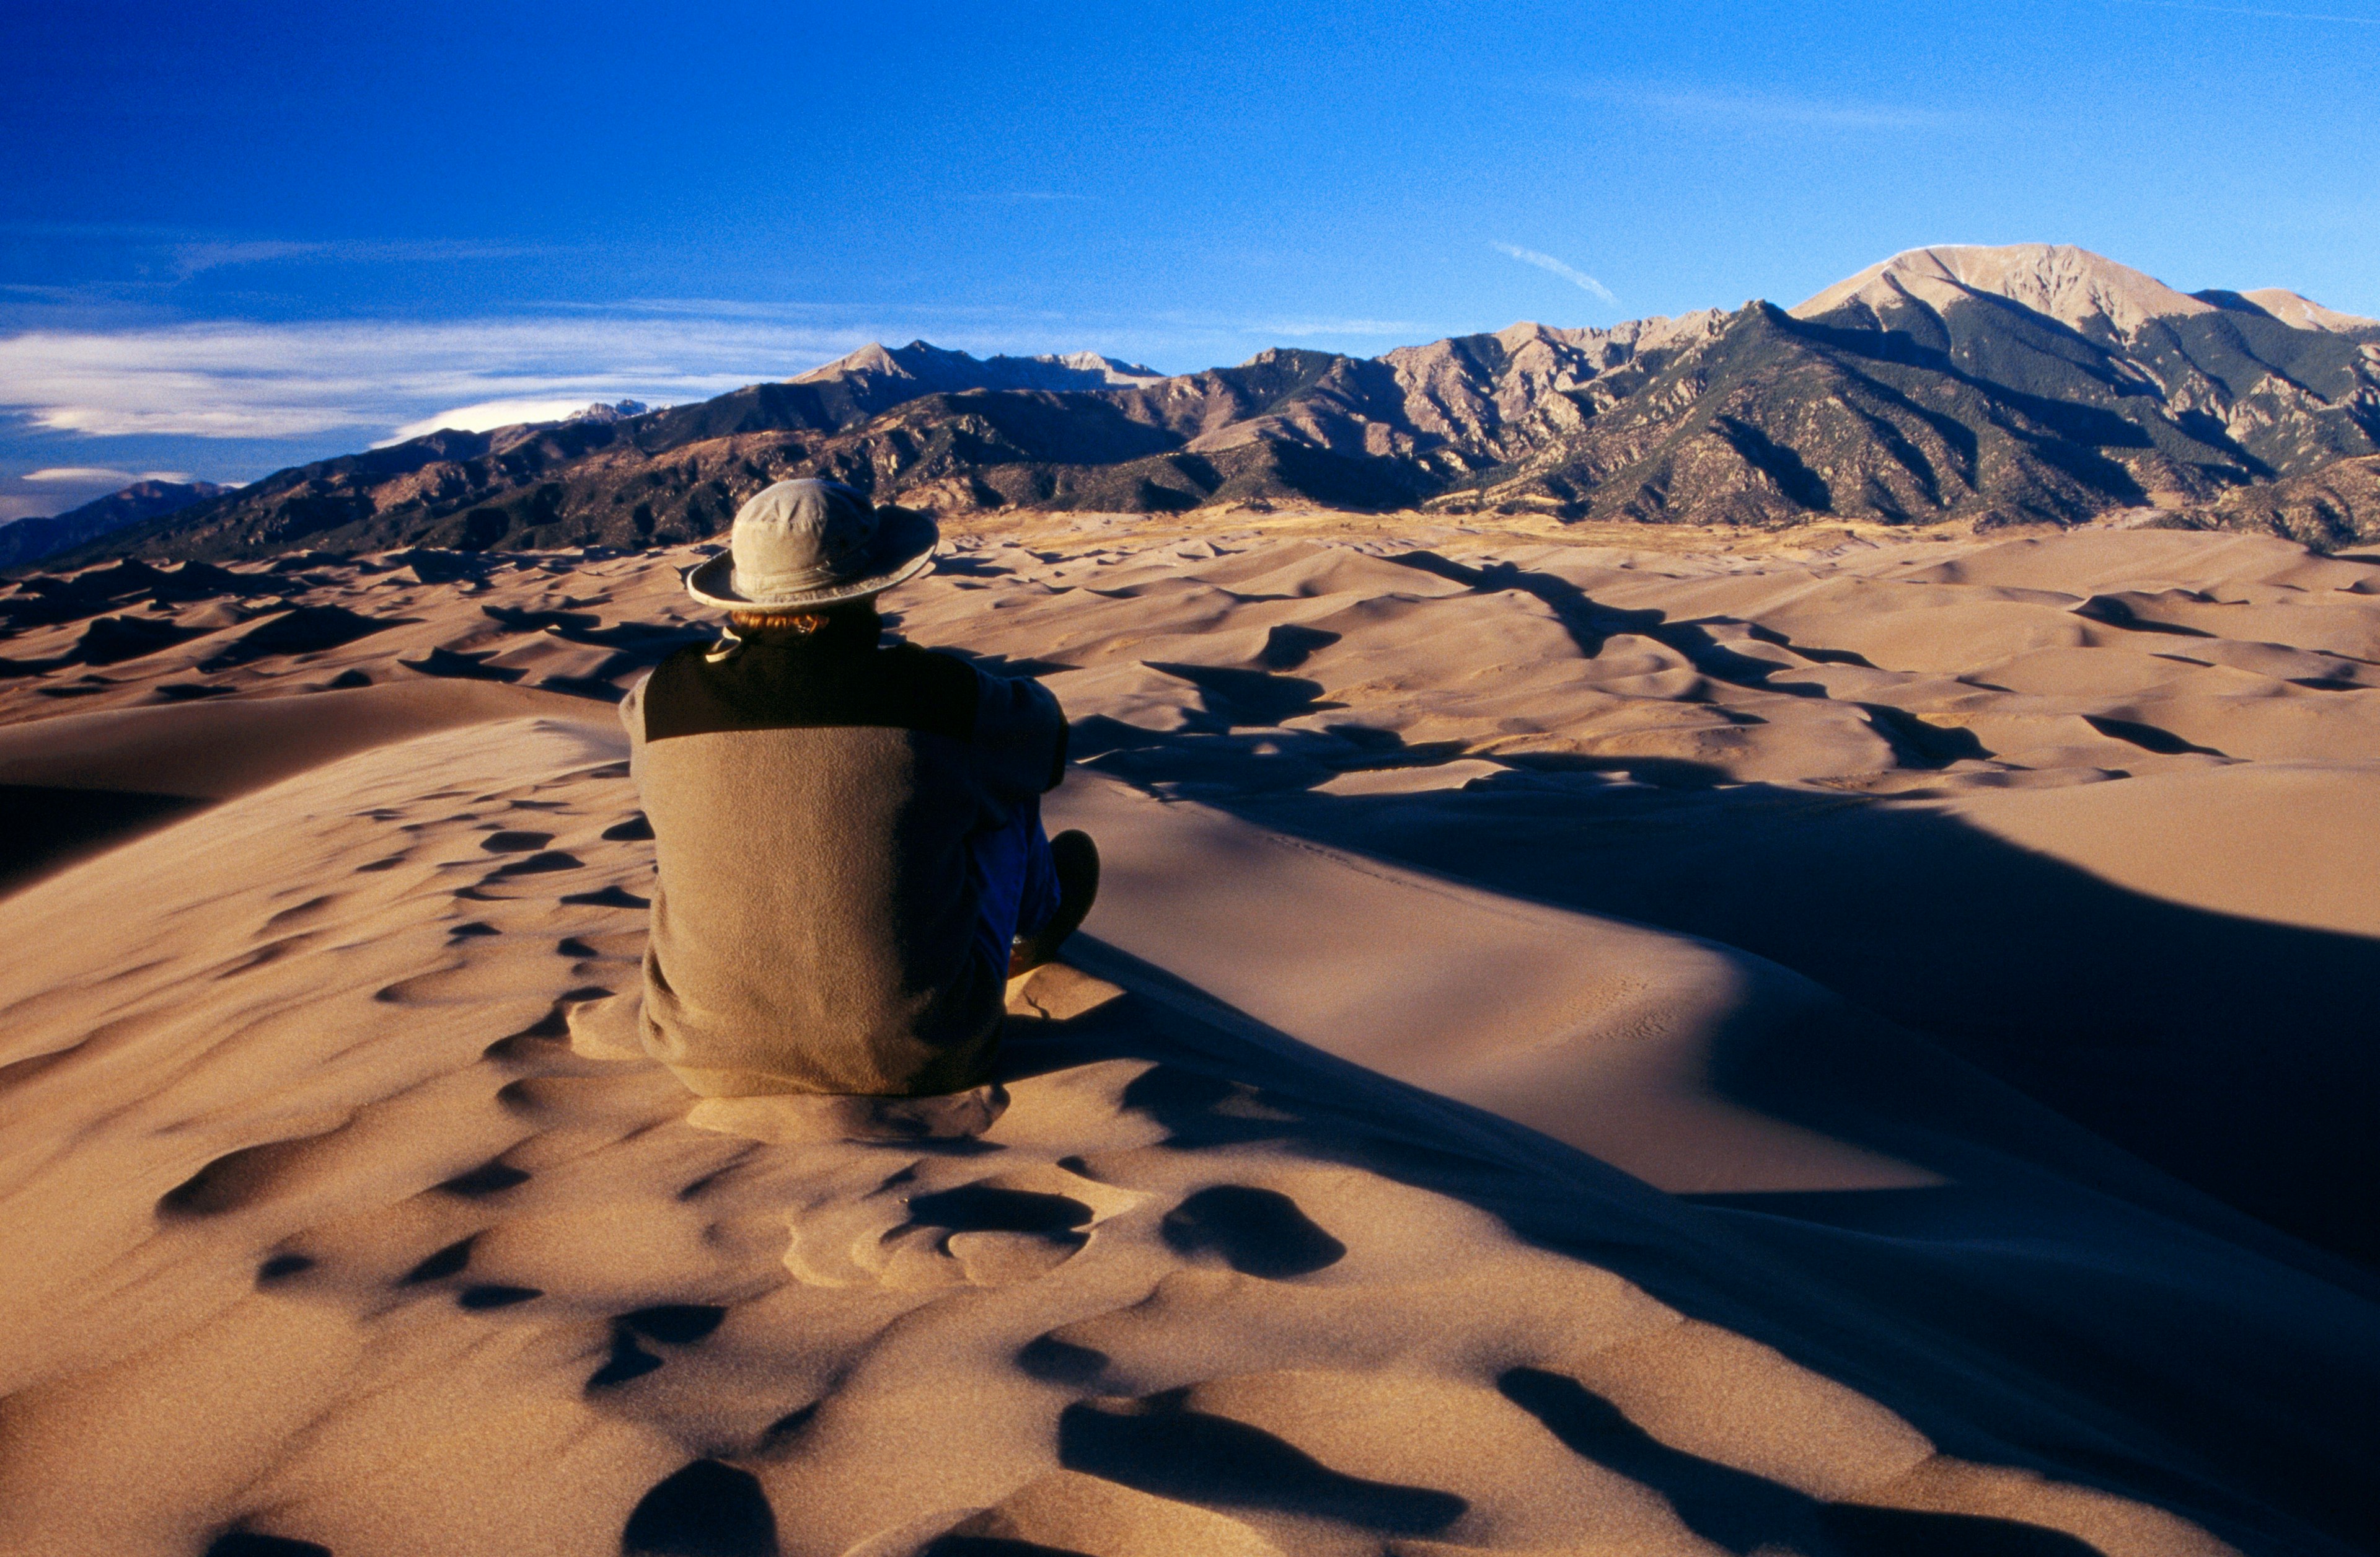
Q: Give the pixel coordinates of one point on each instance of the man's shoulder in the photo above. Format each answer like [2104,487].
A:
[678,660]
[698,690]
[944,664]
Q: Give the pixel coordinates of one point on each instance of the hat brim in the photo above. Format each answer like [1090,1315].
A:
[904,548]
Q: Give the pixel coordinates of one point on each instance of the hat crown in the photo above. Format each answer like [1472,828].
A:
[798,536]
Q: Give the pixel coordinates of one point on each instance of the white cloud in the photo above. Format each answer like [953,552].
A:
[82,475]
[358,381]
[1577,278]
[241,380]
[489,414]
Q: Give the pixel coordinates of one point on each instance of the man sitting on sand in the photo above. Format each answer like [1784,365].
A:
[852,862]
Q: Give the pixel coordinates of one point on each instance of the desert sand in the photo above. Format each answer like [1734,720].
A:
[1688,1043]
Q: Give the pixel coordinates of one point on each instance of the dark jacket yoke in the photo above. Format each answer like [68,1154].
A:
[812,802]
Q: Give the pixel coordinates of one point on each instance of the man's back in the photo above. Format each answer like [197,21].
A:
[814,803]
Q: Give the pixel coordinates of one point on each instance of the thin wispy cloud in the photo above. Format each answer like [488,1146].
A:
[1749,109]
[141,232]
[195,257]
[1300,329]
[963,315]
[1577,278]
[2254,11]
[182,253]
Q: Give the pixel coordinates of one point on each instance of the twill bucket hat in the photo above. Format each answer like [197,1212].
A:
[808,543]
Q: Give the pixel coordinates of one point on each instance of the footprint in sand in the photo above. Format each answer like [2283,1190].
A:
[1165,1447]
[613,896]
[263,956]
[710,1508]
[239,1179]
[1741,1512]
[248,1543]
[669,1324]
[448,1261]
[298,914]
[495,1296]
[1256,1231]
[546,860]
[491,1177]
[590,950]
[991,1232]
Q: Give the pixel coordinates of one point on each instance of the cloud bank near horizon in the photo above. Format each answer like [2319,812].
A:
[185,392]
[249,381]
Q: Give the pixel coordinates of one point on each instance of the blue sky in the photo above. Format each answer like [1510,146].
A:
[236,237]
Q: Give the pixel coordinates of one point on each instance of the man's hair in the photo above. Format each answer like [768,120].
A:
[804,623]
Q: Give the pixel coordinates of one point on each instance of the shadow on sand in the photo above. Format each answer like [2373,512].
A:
[2230,1052]
[2033,1318]
[2060,1303]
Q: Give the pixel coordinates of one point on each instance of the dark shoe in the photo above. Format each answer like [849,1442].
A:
[1076,860]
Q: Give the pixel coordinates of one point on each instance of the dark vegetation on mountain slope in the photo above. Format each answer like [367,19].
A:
[2336,508]
[1989,411]
[1981,409]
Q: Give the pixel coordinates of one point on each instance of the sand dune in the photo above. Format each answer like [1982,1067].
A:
[1581,1050]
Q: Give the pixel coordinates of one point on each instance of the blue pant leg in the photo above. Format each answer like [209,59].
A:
[1017,886]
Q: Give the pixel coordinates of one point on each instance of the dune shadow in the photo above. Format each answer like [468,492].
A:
[2007,1324]
[1590,623]
[1741,1513]
[2225,1050]
[1253,697]
[45,829]
[2218,1197]
[1164,1446]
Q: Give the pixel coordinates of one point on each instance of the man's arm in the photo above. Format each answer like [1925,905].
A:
[632,713]
[1020,735]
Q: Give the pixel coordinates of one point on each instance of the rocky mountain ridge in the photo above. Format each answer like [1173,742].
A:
[2025,383]
[27,540]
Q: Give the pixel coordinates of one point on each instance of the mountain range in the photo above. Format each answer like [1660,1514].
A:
[2027,383]
[25,541]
